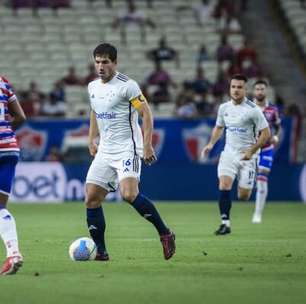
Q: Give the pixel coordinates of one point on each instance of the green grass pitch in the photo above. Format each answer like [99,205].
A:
[263,263]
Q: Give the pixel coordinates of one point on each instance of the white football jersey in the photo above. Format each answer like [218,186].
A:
[242,122]
[117,119]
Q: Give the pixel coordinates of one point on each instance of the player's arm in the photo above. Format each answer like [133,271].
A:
[215,136]
[16,111]
[262,139]
[93,134]
[141,105]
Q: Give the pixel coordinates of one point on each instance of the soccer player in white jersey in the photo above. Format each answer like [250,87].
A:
[116,101]
[243,120]
[11,116]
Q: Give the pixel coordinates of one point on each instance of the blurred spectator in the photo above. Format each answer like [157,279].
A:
[251,69]
[202,55]
[303,4]
[200,84]
[54,155]
[246,52]
[132,16]
[204,106]
[164,53]
[226,12]
[52,107]
[202,11]
[159,83]
[58,92]
[184,105]
[36,4]
[31,100]
[229,24]
[225,8]
[225,51]
[234,68]
[220,87]
[92,74]
[71,78]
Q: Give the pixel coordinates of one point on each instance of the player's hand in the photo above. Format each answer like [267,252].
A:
[93,148]
[274,140]
[149,156]
[247,155]
[206,150]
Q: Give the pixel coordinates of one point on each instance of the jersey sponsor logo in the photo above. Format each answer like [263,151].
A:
[106,115]
[237,130]
[32,142]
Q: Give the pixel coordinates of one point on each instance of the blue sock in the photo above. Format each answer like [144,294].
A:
[147,209]
[96,227]
[225,204]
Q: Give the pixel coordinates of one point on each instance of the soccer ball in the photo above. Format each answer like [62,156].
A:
[83,249]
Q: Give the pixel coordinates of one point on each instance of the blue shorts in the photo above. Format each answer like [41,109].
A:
[265,159]
[8,162]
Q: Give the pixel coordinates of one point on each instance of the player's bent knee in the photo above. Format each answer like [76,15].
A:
[129,196]
[245,196]
[92,202]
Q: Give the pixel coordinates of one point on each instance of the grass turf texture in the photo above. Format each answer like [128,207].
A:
[263,263]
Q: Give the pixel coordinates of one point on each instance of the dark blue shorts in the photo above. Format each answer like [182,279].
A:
[8,162]
[265,159]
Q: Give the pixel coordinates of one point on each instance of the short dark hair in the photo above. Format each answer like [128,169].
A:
[106,49]
[239,77]
[261,81]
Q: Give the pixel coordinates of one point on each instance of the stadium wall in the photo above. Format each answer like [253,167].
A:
[57,182]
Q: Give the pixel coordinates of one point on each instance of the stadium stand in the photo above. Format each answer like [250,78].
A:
[42,47]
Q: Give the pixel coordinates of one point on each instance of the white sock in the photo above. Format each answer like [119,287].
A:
[8,232]
[227,223]
[261,196]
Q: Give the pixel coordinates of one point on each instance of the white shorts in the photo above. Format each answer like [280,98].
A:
[230,164]
[108,170]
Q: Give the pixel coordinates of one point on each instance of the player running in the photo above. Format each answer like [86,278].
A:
[242,120]
[11,116]
[267,152]
[116,101]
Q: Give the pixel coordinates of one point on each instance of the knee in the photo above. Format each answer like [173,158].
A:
[225,186]
[92,201]
[244,196]
[129,196]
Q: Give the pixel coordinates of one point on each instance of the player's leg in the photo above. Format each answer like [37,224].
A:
[95,217]
[227,169]
[98,183]
[146,208]
[129,175]
[246,178]
[8,231]
[143,205]
[264,167]
[225,204]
